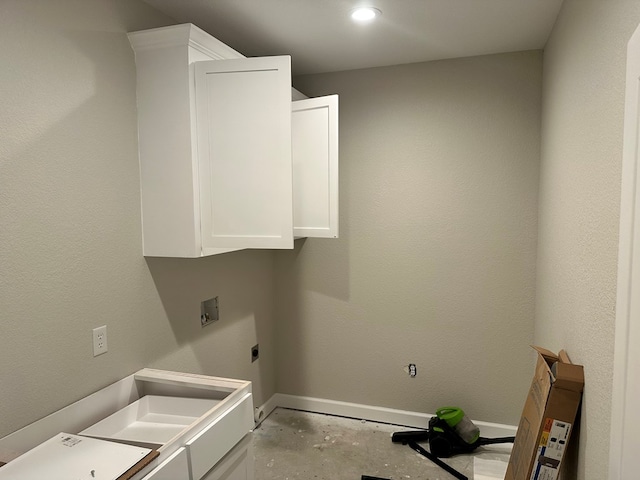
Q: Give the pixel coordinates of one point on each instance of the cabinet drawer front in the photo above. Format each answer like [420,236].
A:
[213,443]
[175,467]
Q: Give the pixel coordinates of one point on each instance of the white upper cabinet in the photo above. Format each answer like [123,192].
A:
[215,139]
[315,167]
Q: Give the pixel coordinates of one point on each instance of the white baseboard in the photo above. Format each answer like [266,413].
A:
[368,412]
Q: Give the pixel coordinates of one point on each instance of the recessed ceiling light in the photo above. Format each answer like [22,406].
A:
[365,14]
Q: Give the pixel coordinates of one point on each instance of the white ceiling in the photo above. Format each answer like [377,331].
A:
[320,36]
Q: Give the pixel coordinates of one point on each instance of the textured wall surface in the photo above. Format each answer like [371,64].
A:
[70,236]
[435,264]
[582,125]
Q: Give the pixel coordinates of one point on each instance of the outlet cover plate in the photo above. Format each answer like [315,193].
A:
[100,340]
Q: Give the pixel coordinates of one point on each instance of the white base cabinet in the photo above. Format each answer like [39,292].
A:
[211,443]
[215,137]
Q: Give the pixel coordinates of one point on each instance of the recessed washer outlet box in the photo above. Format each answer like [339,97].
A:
[209,311]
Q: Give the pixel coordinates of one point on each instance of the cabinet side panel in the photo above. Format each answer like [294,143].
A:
[166,158]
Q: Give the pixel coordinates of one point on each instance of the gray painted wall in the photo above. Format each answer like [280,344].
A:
[70,238]
[582,125]
[435,264]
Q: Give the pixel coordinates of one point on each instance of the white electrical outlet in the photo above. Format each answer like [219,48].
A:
[99,340]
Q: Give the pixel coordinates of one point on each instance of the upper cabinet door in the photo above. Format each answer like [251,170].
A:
[315,167]
[243,117]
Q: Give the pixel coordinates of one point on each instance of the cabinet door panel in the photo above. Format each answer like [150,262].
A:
[213,443]
[244,150]
[315,167]
[238,464]
[174,468]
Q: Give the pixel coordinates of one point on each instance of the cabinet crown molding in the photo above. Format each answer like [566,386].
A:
[183,35]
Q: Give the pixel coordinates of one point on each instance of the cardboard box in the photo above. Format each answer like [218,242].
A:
[547,418]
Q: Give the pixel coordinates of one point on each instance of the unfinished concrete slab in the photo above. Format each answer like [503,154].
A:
[291,444]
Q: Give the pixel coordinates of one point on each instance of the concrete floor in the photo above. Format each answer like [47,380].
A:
[290,444]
